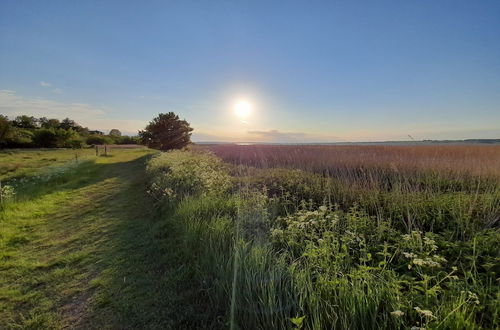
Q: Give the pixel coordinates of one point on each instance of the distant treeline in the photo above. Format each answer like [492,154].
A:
[30,132]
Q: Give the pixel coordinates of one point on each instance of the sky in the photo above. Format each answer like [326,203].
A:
[311,71]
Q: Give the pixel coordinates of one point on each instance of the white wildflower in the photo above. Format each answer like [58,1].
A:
[424,312]
[409,255]
[397,313]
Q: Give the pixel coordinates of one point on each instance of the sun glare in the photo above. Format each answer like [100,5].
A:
[242,109]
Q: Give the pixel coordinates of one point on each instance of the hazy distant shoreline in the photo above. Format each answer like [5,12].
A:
[425,142]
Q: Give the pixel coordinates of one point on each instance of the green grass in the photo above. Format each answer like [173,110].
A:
[285,249]
[88,252]
[16,163]
[185,241]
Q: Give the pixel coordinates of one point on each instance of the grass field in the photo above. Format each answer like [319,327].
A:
[263,237]
[26,162]
[335,237]
[85,250]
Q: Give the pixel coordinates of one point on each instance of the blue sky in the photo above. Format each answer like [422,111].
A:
[312,70]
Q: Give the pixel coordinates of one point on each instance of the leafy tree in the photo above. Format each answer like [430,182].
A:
[84,131]
[56,138]
[69,124]
[24,121]
[75,142]
[98,139]
[5,129]
[64,136]
[49,123]
[19,138]
[115,133]
[45,138]
[166,132]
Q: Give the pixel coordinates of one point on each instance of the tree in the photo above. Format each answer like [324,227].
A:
[114,133]
[56,138]
[69,124]
[64,136]
[166,132]
[45,138]
[98,139]
[49,123]
[24,121]
[19,138]
[5,129]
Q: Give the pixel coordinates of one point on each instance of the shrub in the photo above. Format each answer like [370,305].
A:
[96,139]
[45,138]
[176,174]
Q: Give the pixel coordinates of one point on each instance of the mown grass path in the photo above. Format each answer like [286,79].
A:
[88,253]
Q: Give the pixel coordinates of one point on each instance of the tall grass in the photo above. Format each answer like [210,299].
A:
[303,248]
[336,160]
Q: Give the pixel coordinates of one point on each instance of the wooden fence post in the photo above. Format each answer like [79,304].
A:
[96,150]
[105,150]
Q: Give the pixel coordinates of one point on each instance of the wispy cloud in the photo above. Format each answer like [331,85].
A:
[48,85]
[95,117]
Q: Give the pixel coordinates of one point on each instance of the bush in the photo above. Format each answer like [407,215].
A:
[56,138]
[45,138]
[19,138]
[176,174]
[96,139]
[75,143]
[126,140]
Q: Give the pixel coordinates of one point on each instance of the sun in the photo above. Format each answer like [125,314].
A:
[242,109]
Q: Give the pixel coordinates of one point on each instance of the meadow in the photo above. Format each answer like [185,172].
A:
[252,237]
[357,237]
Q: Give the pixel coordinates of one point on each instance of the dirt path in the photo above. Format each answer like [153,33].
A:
[98,258]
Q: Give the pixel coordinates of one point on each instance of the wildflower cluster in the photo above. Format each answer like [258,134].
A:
[423,250]
[6,192]
[176,174]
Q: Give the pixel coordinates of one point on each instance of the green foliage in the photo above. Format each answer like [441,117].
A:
[338,254]
[19,138]
[45,138]
[263,248]
[176,174]
[166,132]
[28,132]
[6,192]
[68,124]
[57,138]
[115,133]
[24,121]
[124,139]
[5,129]
[96,139]
[49,123]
